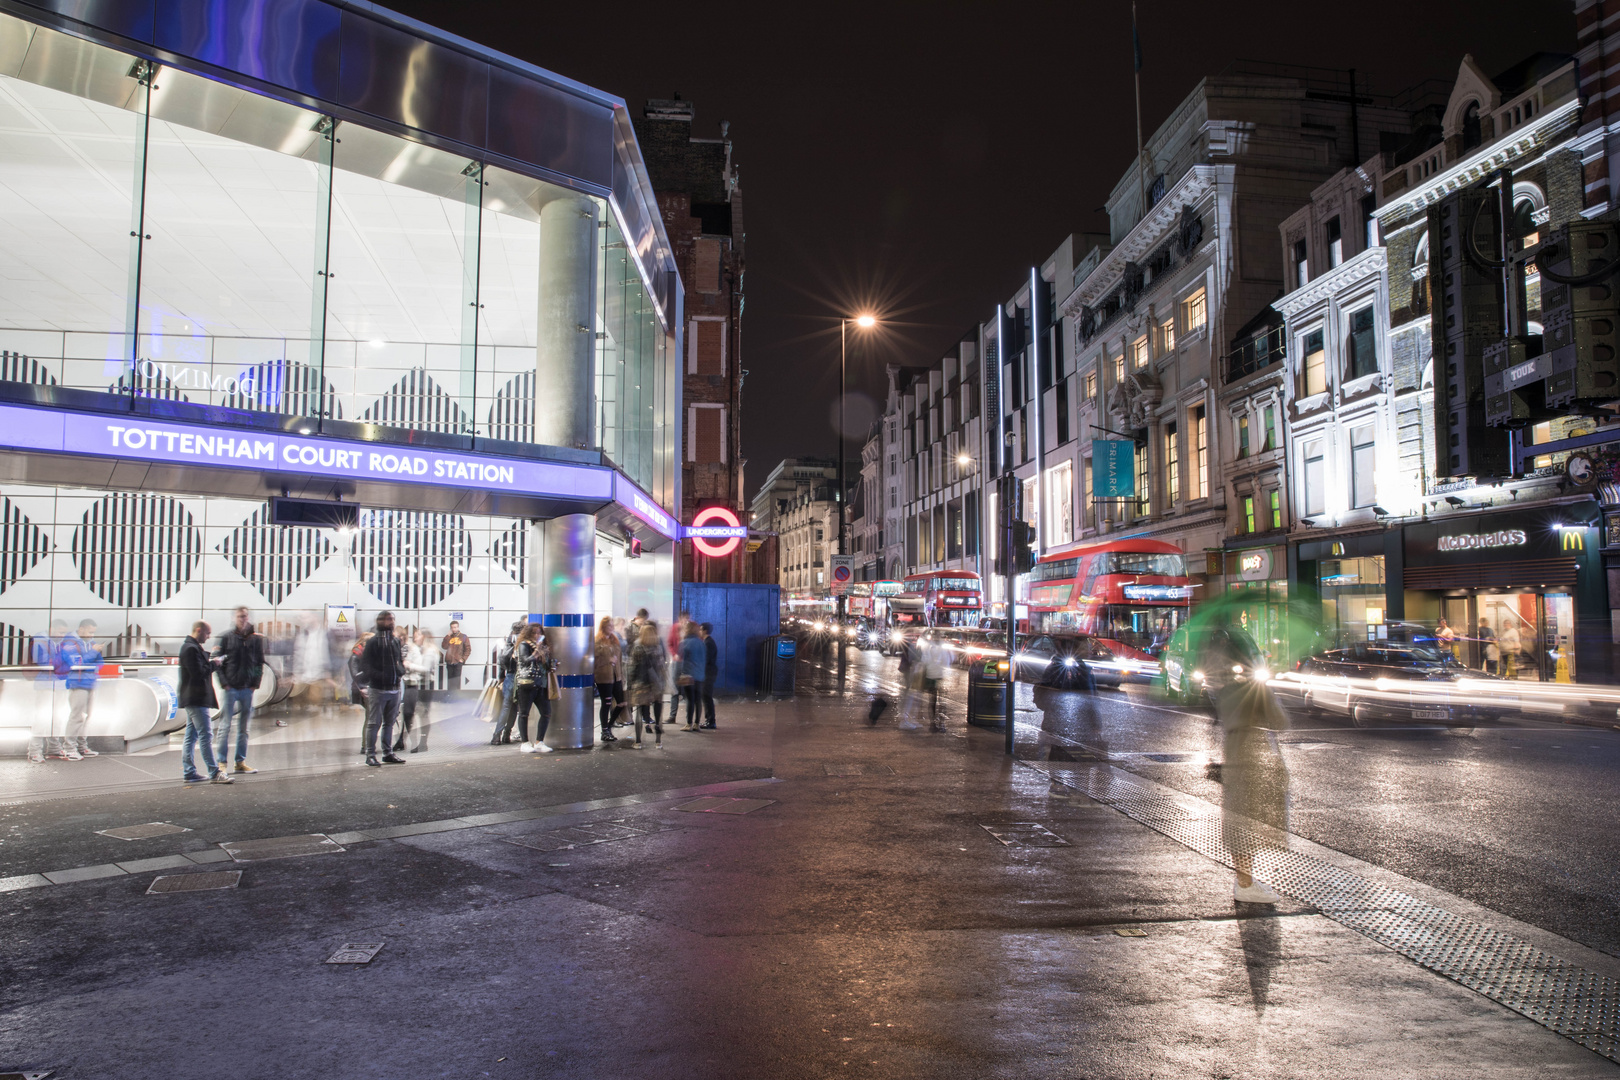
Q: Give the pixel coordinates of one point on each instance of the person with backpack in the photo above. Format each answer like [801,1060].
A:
[240,658]
[648,662]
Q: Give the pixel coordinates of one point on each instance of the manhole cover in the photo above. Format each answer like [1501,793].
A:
[280,847]
[1130,931]
[596,832]
[356,953]
[1066,753]
[177,883]
[1024,834]
[724,806]
[852,769]
[142,832]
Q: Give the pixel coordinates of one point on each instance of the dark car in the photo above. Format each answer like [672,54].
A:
[1374,682]
[1201,660]
[1066,662]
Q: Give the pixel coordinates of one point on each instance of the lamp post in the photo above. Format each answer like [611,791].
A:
[865,322]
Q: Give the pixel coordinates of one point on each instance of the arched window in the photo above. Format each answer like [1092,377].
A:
[1527,201]
[1472,135]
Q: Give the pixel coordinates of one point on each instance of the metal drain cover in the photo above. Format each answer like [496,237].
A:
[204,882]
[142,832]
[573,836]
[1024,834]
[281,847]
[361,953]
[715,805]
[850,768]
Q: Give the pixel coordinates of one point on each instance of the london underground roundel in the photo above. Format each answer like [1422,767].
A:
[715,515]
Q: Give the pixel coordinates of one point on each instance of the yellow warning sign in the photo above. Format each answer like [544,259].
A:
[343,617]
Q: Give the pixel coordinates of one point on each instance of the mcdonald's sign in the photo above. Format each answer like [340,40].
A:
[1574,539]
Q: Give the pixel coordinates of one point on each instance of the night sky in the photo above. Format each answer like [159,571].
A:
[916,159]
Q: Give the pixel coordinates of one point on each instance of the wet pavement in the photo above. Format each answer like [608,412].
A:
[861,917]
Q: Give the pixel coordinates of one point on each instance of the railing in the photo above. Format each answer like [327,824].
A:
[1258,353]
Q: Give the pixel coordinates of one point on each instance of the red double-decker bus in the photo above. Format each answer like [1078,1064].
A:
[1132,593]
[950,597]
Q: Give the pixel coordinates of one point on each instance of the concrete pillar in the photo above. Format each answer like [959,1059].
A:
[562,562]
[563,550]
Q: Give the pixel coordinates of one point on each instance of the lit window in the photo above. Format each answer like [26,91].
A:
[1139,351]
[1315,480]
[1172,466]
[1276,509]
[1313,375]
[1363,460]
[1091,385]
[1200,432]
[1248,513]
[1271,428]
[1119,369]
[1167,337]
[1243,436]
[1194,312]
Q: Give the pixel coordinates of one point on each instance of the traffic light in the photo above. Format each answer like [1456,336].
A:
[1023,547]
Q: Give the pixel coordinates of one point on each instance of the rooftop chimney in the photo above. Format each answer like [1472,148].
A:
[668,109]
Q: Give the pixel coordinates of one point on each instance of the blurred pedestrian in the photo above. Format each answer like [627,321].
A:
[1509,643]
[690,679]
[456,647]
[197,697]
[311,663]
[711,671]
[426,671]
[530,668]
[44,653]
[240,658]
[382,669]
[911,674]
[936,661]
[506,666]
[608,668]
[1446,637]
[411,688]
[648,661]
[79,662]
[1487,647]
[1254,778]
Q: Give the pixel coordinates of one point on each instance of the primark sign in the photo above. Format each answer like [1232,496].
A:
[128,437]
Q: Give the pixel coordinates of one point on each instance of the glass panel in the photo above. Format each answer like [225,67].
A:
[508,303]
[71,134]
[229,276]
[396,281]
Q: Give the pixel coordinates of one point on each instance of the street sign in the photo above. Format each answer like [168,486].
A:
[1113,468]
[715,523]
[843,572]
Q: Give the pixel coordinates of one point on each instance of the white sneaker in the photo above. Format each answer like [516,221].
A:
[85,751]
[1258,893]
[73,755]
[542,748]
[909,725]
[526,748]
[36,757]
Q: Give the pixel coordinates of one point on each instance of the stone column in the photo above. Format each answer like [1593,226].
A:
[563,550]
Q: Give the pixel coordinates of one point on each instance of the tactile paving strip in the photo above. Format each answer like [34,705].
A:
[1576,1003]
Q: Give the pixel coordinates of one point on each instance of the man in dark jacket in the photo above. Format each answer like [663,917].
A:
[711,670]
[197,697]
[455,648]
[382,669]
[241,666]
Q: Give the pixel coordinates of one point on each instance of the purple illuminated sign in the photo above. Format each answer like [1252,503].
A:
[138,438]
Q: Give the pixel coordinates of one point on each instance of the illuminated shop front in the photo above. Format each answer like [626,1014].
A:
[312,251]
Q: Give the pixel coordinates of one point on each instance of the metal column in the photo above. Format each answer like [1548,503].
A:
[561,598]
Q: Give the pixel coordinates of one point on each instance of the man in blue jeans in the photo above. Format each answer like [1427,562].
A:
[240,657]
[382,666]
[197,697]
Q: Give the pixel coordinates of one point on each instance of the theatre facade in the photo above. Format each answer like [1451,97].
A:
[315,309]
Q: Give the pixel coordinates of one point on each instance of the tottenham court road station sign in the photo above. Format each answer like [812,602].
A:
[99,435]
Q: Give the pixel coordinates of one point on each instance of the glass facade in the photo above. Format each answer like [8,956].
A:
[168,236]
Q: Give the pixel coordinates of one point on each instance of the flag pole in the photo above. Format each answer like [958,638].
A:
[1136,59]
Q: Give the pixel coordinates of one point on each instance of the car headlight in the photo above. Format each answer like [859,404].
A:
[1198,676]
[1261,675]
[897,637]
[1068,661]
[818,627]
[1237,669]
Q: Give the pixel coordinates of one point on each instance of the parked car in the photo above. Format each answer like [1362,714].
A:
[1375,682]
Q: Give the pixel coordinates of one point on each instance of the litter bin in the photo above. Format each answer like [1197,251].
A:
[776,667]
[987,693]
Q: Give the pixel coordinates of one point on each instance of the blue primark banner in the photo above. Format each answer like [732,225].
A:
[1113,469]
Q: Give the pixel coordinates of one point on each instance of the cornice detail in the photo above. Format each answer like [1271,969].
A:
[1152,230]
[1352,271]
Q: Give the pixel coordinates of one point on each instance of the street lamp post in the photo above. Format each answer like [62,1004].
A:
[865,322]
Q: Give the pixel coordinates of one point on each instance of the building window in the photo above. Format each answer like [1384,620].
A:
[1335,242]
[1119,369]
[1313,374]
[953,530]
[1139,352]
[894,464]
[1032,506]
[1085,490]
[1302,273]
[1243,435]
[706,434]
[1271,428]
[1362,348]
[1172,466]
[1167,337]
[1369,223]
[1276,509]
[1315,480]
[1060,503]
[1063,412]
[1091,385]
[1363,461]
[1194,312]
[1141,478]
[1248,513]
[1200,434]
[706,347]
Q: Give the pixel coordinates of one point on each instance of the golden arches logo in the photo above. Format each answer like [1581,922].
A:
[1574,540]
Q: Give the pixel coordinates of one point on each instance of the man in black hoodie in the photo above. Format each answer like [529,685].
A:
[241,667]
[382,669]
[197,697]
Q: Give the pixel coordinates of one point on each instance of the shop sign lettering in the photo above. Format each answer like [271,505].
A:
[1479,541]
[187,377]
